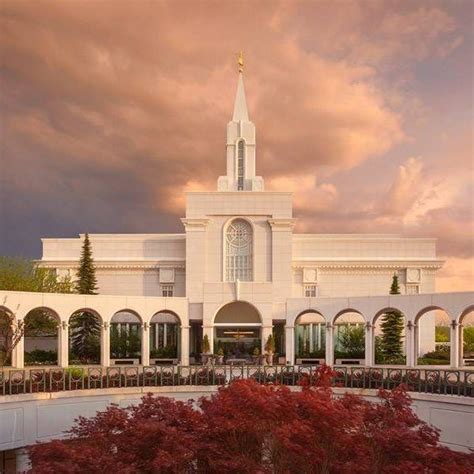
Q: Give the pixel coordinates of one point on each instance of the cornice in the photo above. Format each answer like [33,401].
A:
[116,265]
[282,224]
[433,265]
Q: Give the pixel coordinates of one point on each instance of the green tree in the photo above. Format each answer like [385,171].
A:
[84,332]
[20,274]
[86,283]
[352,341]
[391,341]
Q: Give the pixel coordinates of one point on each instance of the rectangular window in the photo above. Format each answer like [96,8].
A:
[413,289]
[310,291]
[167,290]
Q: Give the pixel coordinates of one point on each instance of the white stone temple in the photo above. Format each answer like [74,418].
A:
[240,265]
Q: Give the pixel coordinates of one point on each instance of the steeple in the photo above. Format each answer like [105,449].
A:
[240,104]
[240,145]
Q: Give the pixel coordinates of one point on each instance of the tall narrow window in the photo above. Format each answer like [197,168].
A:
[238,242]
[240,166]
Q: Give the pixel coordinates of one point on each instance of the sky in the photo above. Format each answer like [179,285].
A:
[364,109]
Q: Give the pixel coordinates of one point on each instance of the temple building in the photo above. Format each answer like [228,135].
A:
[239,266]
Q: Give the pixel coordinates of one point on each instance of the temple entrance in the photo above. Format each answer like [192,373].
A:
[237,332]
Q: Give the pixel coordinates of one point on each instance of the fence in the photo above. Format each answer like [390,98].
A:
[37,380]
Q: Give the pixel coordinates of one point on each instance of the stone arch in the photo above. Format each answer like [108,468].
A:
[237,330]
[165,335]
[310,335]
[432,336]
[41,336]
[427,309]
[228,314]
[126,337]
[466,336]
[349,333]
[85,336]
[464,313]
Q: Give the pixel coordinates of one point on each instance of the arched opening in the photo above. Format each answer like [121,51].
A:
[349,338]
[84,337]
[238,241]
[390,337]
[433,337]
[41,337]
[165,332]
[466,336]
[310,337]
[125,338]
[237,331]
[7,336]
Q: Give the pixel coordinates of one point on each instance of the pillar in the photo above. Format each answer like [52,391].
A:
[369,345]
[290,344]
[456,344]
[411,346]
[18,355]
[329,344]
[185,345]
[63,346]
[145,344]
[23,463]
[105,344]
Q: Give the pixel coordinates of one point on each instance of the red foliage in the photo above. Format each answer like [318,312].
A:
[252,428]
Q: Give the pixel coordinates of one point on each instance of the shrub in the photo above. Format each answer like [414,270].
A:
[249,428]
[40,357]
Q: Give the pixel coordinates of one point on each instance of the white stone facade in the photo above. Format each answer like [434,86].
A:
[285,266]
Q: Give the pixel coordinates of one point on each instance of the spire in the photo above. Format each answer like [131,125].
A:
[240,105]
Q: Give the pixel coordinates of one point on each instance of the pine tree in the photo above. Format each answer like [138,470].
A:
[391,341]
[86,281]
[85,326]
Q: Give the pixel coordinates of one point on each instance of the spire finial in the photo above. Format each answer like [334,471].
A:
[240,61]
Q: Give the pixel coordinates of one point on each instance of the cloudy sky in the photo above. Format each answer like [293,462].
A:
[110,109]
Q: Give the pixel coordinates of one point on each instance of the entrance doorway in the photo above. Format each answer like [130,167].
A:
[237,331]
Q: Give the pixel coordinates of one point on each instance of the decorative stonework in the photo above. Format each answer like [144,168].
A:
[310,275]
[413,275]
[166,275]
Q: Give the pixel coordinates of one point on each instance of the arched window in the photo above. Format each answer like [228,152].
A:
[238,251]
[240,166]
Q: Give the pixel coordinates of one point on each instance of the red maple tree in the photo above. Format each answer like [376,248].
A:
[252,428]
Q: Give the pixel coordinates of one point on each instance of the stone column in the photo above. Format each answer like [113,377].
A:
[369,345]
[290,344]
[329,344]
[23,463]
[105,344]
[145,344]
[411,346]
[185,345]
[456,344]
[63,346]
[18,356]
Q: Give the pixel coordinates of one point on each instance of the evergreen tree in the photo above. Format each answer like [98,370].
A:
[391,341]
[86,281]
[85,326]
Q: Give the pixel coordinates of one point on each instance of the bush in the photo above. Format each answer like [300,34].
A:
[40,357]
[167,352]
[250,428]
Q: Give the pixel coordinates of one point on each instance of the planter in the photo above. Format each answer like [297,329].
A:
[269,357]
[220,360]
[206,359]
